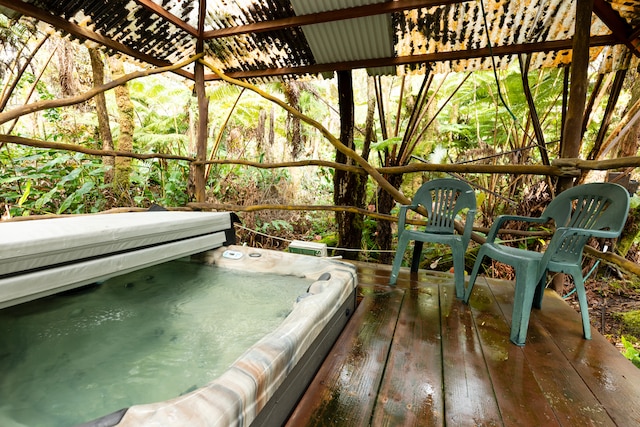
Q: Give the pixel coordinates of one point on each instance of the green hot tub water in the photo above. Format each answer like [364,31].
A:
[144,337]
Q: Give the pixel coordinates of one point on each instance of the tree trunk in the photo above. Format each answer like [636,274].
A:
[97,67]
[67,69]
[628,146]
[125,140]
[384,236]
[349,188]
[294,134]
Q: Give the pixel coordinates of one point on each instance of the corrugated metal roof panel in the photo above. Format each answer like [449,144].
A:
[629,10]
[129,23]
[462,26]
[444,33]
[278,49]
[368,37]
[230,13]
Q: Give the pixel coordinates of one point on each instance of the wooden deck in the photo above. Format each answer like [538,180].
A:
[416,356]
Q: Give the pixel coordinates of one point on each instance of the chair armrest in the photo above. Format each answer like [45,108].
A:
[468,226]
[500,220]
[571,231]
[563,233]
[402,216]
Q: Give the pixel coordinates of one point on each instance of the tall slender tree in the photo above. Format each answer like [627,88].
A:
[104,129]
[349,188]
[126,123]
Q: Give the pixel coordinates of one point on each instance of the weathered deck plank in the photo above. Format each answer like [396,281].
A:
[517,392]
[410,394]
[613,380]
[414,355]
[344,390]
[571,400]
[468,392]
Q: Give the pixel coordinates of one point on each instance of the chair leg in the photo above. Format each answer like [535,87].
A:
[537,298]
[522,302]
[473,276]
[458,270]
[397,261]
[417,255]
[584,308]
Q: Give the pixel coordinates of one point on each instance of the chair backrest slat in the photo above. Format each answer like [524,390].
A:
[444,199]
[593,206]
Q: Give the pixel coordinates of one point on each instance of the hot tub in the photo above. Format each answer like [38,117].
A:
[262,386]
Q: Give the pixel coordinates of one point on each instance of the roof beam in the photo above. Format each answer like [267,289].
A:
[618,26]
[329,16]
[84,33]
[159,10]
[201,20]
[596,41]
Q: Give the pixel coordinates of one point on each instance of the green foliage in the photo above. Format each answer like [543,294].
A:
[159,182]
[51,114]
[385,144]
[631,322]
[273,225]
[161,106]
[42,181]
[476,114]
[331,240]
[369,232]
[630,352]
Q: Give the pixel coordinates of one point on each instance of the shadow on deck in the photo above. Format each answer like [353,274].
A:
[414,355]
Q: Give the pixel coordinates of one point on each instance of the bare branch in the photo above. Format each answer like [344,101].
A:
[625,162]
[79,149]
[54,103]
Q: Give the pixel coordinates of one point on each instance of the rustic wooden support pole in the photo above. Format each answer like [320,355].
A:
[572,132]
[198,169]
[615,259]
[569,168]
[600,165]
[559,167]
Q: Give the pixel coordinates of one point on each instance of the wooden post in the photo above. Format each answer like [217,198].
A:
[198,170]
[572,132]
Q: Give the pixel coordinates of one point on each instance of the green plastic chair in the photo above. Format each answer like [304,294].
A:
[443,199]
[591,210]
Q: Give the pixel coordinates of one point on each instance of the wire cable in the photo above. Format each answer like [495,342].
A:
[332,247]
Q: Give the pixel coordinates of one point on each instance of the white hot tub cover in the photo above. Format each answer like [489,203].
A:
[41,257]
